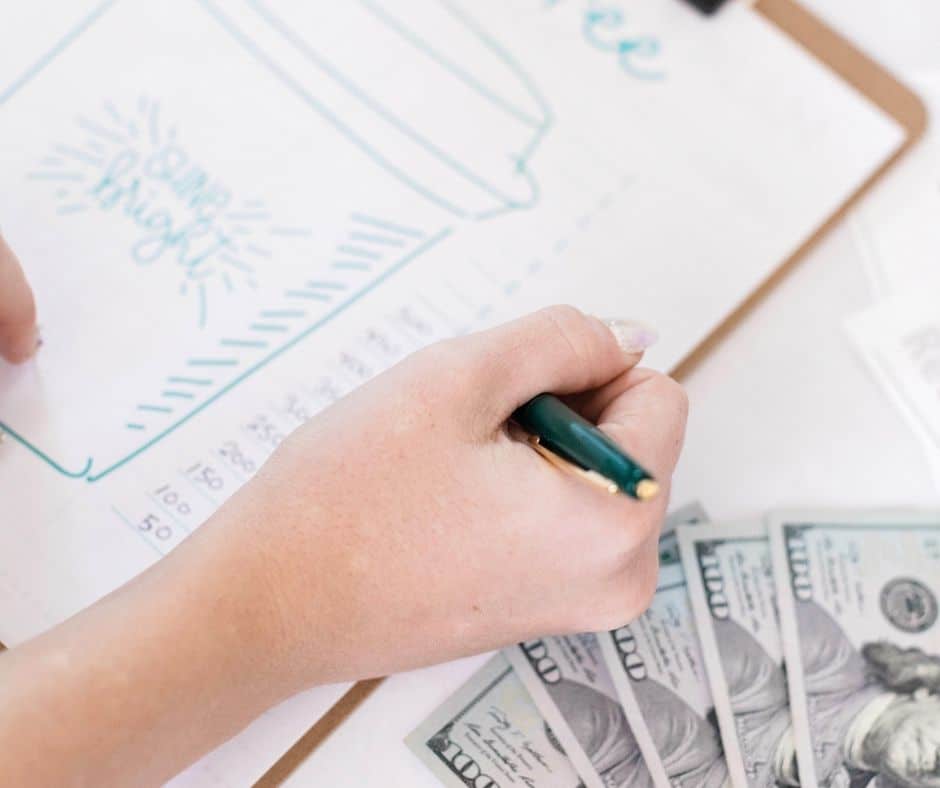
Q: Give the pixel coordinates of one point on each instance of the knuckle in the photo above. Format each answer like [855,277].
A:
[638,525]
[561,314]
[608,619]
[682,400]
[667,386]
[639,577]
[569,326]
[645,584]
[672,391]
[630,596]
[622,606]
[645,530]
[630,584]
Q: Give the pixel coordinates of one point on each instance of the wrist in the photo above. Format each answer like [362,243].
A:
[189,636]
[280,583]
[238,625]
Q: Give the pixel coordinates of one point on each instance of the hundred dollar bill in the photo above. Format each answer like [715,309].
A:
[692,513]
[731,586]
[657,669]
[572,686]
[858,597]
[489,734]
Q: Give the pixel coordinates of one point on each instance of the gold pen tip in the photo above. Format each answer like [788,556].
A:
[646,489]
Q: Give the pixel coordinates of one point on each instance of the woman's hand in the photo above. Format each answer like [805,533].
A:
[403,526]
[19,336]
[400,527]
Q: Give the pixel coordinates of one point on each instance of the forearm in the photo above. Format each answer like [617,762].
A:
[400,527]
[141,684]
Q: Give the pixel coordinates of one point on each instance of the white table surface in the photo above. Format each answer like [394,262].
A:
[783,413]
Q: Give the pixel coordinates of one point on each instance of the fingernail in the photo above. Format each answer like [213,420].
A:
[632,335]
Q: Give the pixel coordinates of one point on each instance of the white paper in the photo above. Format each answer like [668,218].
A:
[323,188]
[901,37]
[899,339]
[896,223]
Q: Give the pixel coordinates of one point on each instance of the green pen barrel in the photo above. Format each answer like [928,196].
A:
[571,436]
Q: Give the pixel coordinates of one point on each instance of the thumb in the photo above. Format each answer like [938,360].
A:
[558,349]
[18,333]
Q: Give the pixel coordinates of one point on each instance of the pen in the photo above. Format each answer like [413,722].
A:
[567,439]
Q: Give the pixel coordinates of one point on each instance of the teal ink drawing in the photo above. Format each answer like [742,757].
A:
[371,221]
[389,132]
[128,160]
[306,294]
[182,214]
[213,362]
[377,239]
[358,251]
[327,285]
[216,388]
[604,27]
[6,429]
[282,313]
[304,334]
[258,343]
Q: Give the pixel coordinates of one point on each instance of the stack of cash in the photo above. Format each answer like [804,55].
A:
[802,650]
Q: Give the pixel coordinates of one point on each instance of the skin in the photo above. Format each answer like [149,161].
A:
[399,528]
[19,336]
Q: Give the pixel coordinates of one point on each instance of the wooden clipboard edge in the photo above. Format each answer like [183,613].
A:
[323,727]
[871,80]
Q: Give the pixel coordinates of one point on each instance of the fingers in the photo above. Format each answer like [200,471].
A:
[592,403]
[647,417]
[18,333]
[558,349]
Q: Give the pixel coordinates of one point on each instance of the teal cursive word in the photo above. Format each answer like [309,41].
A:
[173,203]
[603,27]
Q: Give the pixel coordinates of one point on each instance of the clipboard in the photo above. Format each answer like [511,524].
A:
[857,70]
[868,78]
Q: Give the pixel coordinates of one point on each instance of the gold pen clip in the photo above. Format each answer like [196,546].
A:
[569,467]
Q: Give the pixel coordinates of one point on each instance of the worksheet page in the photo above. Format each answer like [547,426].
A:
[235,213]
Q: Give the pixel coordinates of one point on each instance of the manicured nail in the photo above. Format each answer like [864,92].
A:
[632,335]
